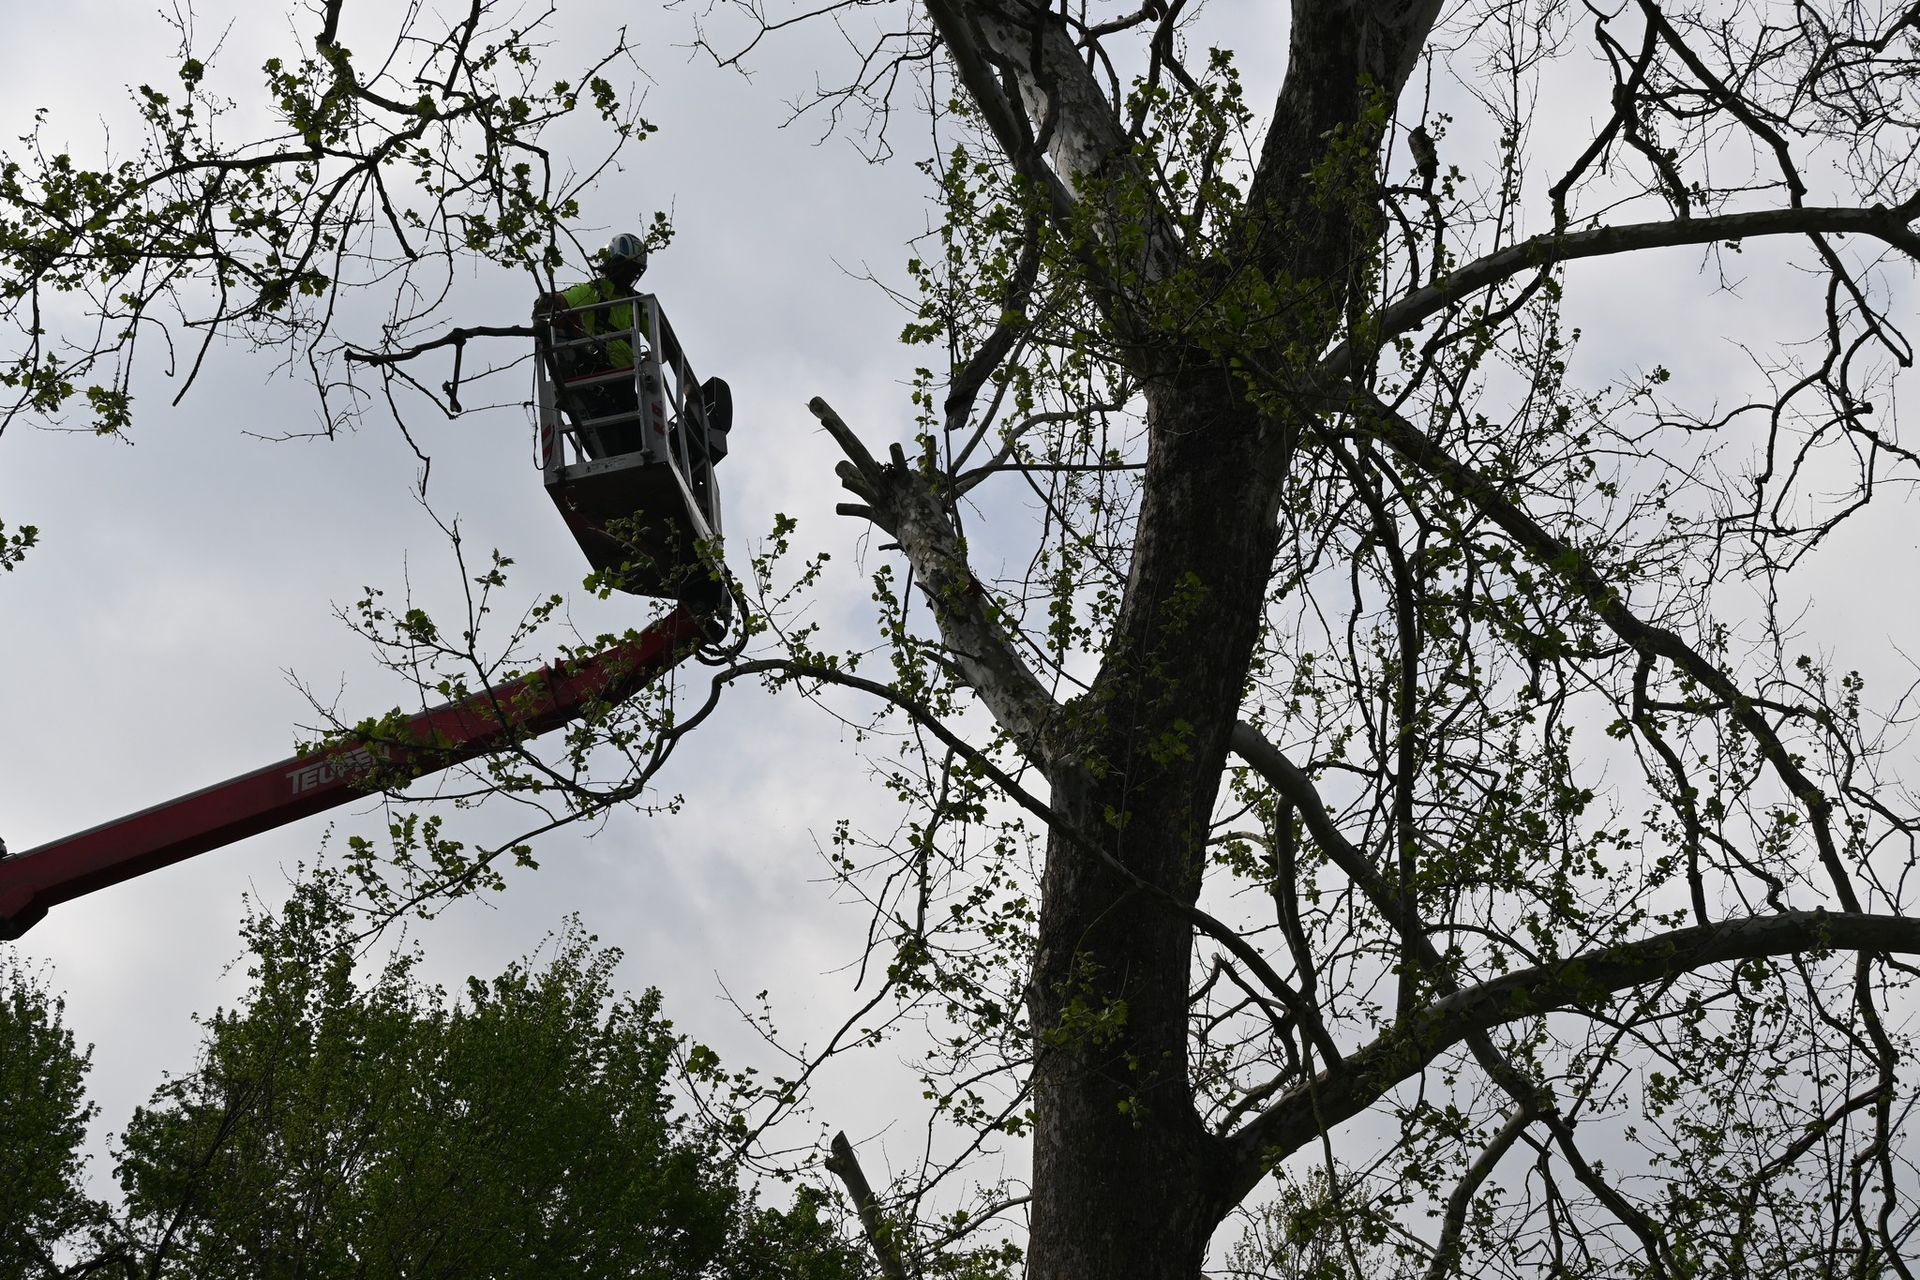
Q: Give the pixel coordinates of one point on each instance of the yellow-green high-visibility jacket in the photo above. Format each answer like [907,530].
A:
[609,319]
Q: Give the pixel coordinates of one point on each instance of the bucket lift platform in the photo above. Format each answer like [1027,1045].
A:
[628,452]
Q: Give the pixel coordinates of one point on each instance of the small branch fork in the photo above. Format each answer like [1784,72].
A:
[390,362]
[457,338]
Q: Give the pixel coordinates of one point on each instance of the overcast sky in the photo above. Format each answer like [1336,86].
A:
[145,645]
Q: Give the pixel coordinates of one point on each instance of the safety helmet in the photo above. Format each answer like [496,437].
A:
[625,251]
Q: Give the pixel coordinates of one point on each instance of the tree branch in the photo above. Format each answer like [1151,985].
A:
[452,337]
[963,37]
[844,1165]
[1375,418]
[899,499]
[1080,131]
[1368,1074]
[1446,1256]
[1543,251]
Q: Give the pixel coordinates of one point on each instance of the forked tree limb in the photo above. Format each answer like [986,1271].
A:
[1370,1073]
[900,499]
[451,338]
[1446,1256]
[1293,784]
[1055,124]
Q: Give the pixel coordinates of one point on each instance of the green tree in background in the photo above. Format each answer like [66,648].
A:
[43,1121]
[347,1125]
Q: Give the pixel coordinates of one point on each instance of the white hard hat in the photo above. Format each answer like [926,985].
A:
[625,247]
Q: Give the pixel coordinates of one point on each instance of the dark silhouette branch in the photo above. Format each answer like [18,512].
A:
[1542,252]
[451,338]
[1590,978]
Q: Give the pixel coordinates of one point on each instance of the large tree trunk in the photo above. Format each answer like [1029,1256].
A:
[1126,1180]
[1125,1177]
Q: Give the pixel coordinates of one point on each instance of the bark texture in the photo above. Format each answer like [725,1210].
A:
[1125,1164]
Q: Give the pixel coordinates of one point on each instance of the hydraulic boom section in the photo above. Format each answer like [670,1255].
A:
[298,787]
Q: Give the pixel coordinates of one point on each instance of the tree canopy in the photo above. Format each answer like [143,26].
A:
[341,1123]
[42,1124]
[1348,725]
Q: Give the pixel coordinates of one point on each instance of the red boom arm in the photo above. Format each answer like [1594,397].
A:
[37,879]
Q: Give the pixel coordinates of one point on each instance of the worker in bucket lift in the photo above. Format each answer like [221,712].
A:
[621,265]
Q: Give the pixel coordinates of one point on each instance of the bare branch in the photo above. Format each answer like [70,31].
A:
[1542,252]
[844,1165]
[1593,977]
